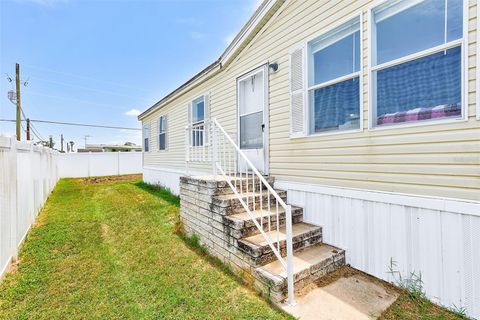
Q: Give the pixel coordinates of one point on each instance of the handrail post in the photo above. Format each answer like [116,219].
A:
[291,294]
[187,149]
[214,150]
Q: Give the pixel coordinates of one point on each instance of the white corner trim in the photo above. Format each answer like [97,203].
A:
[426,202]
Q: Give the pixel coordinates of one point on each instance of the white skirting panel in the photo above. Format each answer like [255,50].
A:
[436,238]
[168,179]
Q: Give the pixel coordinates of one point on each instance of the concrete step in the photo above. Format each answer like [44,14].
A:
[310,265]
[241,224]
[230,204]
[257,250]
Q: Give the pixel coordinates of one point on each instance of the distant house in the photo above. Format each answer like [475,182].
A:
[110,148]
[366,112]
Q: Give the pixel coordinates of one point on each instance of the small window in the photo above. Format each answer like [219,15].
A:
[334,79]
[146,137]
[198,121]
[417,73]
[162,133]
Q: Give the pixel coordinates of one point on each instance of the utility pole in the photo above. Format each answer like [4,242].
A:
[61,143]
[28,129]
[85,137]
[17,83]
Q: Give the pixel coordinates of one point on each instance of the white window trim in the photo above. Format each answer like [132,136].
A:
[477,52]
[203,96]
[164,133]
[462,42]
[146,126]
[191,106]
[359,73]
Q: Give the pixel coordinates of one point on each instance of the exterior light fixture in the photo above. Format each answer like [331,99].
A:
[273,67]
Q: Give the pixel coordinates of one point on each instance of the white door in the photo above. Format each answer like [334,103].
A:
[252,118]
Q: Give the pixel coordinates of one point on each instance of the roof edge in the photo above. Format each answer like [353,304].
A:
[224,58]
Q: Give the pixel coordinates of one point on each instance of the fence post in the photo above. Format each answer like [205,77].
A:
[118,163]
[88,162]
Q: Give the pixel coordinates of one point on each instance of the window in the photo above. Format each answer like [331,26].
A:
[197,119]
[251,97]
[416,61]
[162,133]
[146,137]
[334,79]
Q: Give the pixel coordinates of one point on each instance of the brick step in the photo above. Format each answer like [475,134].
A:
[258,252]
[241,184]
[241,224]
[208,186]
[229,203]
[310,265]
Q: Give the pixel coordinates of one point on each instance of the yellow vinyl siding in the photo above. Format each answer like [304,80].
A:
[440,159]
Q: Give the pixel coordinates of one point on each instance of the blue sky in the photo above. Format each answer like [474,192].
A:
[94,61]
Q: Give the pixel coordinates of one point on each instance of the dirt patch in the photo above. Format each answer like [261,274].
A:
[128,177]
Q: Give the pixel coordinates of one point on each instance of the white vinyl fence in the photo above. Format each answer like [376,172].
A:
[91,164]
[28,175]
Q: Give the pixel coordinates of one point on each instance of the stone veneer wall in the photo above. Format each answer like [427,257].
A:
[203,215]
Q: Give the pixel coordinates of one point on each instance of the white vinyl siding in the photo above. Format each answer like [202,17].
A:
[439,159]
[417,56]
[477,52]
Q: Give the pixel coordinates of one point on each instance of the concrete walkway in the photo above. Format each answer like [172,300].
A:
[354,297]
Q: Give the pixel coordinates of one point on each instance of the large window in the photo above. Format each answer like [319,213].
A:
[197,119]
[162,133]
[146,137]
[334,79]
[416,61]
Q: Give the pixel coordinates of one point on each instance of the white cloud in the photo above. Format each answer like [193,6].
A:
[133,112]
[197,35]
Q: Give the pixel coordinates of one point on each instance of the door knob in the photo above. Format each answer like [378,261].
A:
[263,127]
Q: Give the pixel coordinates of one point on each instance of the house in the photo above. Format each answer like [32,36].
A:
[366,113]
[111,148]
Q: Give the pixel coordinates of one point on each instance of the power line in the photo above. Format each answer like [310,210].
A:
[62,83]
[85,77]
[77,124]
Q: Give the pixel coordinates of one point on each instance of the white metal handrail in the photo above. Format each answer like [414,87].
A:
[247,183]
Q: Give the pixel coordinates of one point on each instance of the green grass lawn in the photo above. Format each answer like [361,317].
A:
[108,250]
